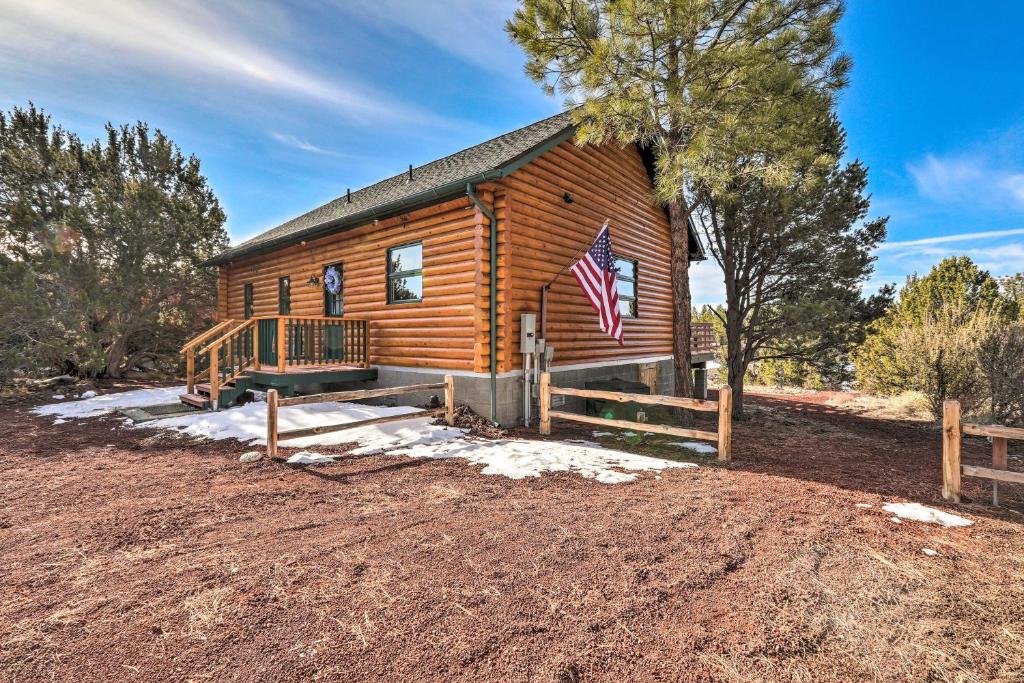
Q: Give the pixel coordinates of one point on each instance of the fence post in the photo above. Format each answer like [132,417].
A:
[545,403]
[999,457]
[951,450]
[449,399]
[725,423]
[272,423]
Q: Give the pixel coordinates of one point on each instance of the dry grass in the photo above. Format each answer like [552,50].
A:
[910,405]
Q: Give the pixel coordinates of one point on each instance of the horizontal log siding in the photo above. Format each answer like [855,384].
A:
[436,333]
[606,182]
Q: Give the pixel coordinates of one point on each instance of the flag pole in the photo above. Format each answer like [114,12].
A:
[545,288]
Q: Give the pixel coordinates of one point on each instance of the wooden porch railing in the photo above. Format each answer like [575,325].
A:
[276,343]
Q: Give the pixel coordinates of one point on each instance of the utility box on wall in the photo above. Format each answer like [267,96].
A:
[528,333]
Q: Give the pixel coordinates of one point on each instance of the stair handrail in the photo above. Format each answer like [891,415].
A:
[200,338]
[213,347]
[227,335]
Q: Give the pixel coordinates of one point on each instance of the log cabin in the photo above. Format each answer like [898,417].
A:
[440,270]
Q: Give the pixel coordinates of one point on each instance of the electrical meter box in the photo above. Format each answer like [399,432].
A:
[528,333]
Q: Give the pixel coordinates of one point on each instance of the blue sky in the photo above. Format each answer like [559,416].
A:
[289,103]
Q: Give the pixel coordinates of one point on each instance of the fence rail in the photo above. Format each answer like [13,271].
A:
[723,406]
[274,402]
[952,434]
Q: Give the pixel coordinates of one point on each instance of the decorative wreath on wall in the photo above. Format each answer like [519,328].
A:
[332,280]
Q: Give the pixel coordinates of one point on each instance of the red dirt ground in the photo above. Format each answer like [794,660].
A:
[133,556]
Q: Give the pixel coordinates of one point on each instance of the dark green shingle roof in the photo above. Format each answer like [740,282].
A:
[431,182]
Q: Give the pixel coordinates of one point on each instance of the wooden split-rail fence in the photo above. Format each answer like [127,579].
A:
[275,402]
[723,406]
[952,433]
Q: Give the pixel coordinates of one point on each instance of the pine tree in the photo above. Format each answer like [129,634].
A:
[703,83]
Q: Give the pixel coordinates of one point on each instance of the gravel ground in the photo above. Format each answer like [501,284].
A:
[129,555]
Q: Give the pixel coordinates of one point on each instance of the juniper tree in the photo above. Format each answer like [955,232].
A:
[702,82]
[105,242]
[795,257]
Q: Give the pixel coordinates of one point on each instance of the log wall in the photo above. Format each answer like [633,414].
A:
[437,332]
[538,234]
[547,232]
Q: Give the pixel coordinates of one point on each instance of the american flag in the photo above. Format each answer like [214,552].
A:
[596,274]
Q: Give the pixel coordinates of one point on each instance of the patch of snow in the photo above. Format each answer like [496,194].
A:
[696,446]
[251,456]
[897,520]
[94,406]
[584,442]
[248,424]
[712,365]
[310,458]
[598,435]
[923,513]
[59,421]
[628,433]
[58,397]
[929,552]
[415,437]
[863,506]
[88,394]
[519,459]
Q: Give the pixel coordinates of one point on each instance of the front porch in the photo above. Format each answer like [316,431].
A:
[274,352]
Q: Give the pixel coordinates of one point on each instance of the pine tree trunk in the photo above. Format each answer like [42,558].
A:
[681,301]
[734,356]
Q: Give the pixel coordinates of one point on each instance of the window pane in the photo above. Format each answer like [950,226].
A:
[626,268]
[284,295]
[626,288]
[405,258]
[627,309]
[409,288]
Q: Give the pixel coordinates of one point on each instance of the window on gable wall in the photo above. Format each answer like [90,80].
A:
[625,284]
[405,273]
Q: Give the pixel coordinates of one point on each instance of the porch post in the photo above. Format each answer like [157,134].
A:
[281,346]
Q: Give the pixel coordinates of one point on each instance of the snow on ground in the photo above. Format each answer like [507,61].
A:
[923,513]
[248,424]
[518,459]
[415,437]
[697,446]
[94,406]
[308,458]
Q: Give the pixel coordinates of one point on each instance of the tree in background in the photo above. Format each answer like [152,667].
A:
[795,257]
[955,283]
[105,242]
[951,335]
[702,83]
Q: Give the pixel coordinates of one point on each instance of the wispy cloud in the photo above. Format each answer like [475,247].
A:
[183,39]
[471,30]
[944,239]
[298,143]
[988,175]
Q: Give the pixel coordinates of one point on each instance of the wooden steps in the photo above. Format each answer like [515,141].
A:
[197,400]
